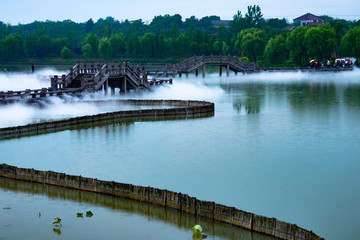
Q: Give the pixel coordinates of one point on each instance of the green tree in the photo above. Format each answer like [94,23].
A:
[118,43]
[133,45]
[350,43]
[194,48]
[254,17]
[65,52]
[105,48]
[161,49]
[296,45]
[251,42]
[93,40]
[5,30]
[87,50]
[182,45]
[30,43]
[148,44]
[276,51]
[89,25]
[225,50]
[59,44]
[12,46]
[174,30]
[238,23]
[339,26]
[320,42]
[217,47]
[222,33]
[43,46]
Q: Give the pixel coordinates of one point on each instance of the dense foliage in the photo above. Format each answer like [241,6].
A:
[270,41]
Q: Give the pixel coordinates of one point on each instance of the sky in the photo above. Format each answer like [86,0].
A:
[27,11]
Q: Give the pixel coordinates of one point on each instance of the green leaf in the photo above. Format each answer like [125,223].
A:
[89,214]
[57,220]
[197,229]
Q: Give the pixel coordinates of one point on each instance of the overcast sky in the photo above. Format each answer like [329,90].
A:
[27,11]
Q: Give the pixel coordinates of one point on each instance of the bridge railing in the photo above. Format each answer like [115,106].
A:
[73,73]
[195,62]
[33,93]
[101,76]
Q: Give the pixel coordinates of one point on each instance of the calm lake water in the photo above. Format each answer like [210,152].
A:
[28,211]
[283,145]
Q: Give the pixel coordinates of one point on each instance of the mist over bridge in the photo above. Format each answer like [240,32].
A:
[95,76]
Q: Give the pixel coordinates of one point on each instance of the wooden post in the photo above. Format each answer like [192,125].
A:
[220,70]
[106,86]
[203,70]
[125,85]
[227,70]
[77,70]
[52,82]
[63,80]
[196,72]
[112,91]
[83,83]
[56,81]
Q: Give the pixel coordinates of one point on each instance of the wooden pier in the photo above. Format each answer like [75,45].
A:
[96,76]
[90,77]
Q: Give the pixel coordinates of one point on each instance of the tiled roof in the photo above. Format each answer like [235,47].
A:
[308,16]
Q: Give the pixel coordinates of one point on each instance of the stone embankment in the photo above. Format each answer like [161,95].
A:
[177,109]
[165,198]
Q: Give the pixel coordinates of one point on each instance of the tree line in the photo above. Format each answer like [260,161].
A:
[270,41]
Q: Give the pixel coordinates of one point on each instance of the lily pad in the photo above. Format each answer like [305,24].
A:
[79,215]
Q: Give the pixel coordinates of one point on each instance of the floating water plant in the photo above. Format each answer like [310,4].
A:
[79,215]
[197,229]
[57,222]
[89,214]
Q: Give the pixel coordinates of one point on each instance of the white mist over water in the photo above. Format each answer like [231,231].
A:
[55,108]
[16,81]
[352,76]
[191,88]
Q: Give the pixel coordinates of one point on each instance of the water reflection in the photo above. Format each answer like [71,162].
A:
[313,95]
[352,96]
[181,221]
[251,99]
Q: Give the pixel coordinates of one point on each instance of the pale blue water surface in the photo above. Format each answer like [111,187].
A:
[283,145]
